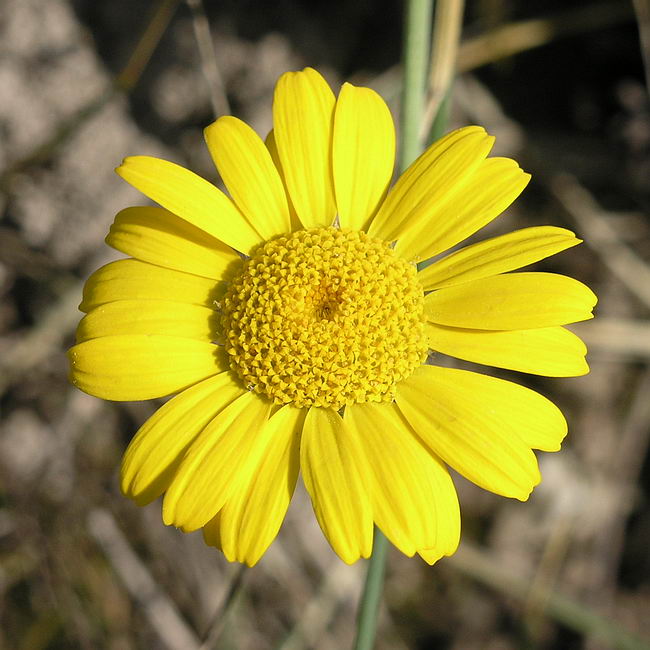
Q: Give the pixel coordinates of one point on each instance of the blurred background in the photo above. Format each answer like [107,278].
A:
[84,83]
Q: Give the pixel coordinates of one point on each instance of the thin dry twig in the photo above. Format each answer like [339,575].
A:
[547,573]
[43,340]
[342,583]
[478,564]
[447,24]
[621,260]
[130,75]
[526,35]
[123,83]
[211,638]
[159,609]
[616,336]
[209,65]
[642,10]
[623,471]
[635,434]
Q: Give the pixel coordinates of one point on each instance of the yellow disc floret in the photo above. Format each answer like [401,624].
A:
[324,317]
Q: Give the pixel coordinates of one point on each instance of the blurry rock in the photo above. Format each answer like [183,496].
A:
[49,71]
[25,445]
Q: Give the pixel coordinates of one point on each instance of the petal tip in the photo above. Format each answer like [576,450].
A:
[220,122]
[430,558]
[170,515]
[524,494]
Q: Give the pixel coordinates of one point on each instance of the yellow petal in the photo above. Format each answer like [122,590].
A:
[137,367]
[218,459]
[252,179]
[152,458]
[479,199]
[549,351]
[363,154]
[338,491]
[430,556]
[135,280]
[275,157]
[192,198]
[303,110]
[212,531]
[413,498]
[252,516]
[497,255]
[483,427]
[511,301]
[430,181]
[157,236]
[150,317]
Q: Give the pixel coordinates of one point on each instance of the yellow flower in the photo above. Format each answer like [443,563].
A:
[295,328]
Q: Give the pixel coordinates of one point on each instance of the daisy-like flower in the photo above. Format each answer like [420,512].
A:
[292,324]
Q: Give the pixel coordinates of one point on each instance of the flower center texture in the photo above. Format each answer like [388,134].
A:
[324,317]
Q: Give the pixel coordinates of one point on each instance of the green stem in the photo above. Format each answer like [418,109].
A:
[415,56]
[369,606]
[439,124]
[417,35]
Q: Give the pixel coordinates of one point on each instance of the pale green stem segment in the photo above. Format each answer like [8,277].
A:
[439,124]
[415,56]
[369,605]
[415,65]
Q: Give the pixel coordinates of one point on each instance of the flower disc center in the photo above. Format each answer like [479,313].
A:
[325,318]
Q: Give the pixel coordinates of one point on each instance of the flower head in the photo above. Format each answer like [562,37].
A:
[293,326]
